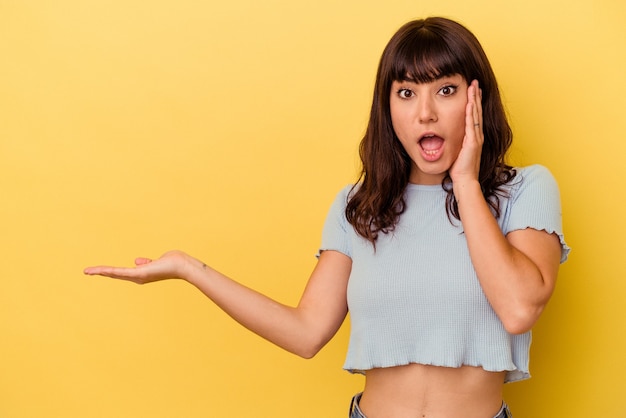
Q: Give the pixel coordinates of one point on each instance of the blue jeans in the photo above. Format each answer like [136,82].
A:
[355,411]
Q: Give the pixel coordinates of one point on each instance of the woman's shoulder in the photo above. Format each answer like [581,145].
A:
[341,199]
[532,176]
[346,192]
[533,170]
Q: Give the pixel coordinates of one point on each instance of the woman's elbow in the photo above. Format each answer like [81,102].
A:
[517,327]
[308,350]
[521,320]
[308,354]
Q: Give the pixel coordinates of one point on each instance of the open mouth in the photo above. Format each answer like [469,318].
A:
[431,145]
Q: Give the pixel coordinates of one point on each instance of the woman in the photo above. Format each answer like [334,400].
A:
[444,254]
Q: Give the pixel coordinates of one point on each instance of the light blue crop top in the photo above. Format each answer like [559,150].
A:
[416,299]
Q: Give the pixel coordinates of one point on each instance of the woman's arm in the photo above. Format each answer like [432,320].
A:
[517,272]
[302,330]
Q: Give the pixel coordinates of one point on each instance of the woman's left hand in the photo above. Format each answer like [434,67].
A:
[467,165]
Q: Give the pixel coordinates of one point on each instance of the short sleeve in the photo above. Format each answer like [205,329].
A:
[335,235]
[535,202]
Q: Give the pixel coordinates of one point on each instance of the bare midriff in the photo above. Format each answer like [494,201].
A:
[422,391]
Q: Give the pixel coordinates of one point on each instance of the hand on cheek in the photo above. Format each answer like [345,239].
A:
[467,165]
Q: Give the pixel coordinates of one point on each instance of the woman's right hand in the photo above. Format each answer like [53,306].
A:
[171,265]
[302,330]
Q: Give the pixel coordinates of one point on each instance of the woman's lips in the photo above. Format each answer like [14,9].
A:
[432,147]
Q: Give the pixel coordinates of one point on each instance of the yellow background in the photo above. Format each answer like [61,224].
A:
[225,129]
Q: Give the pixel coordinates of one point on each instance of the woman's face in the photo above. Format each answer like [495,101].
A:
[429,120]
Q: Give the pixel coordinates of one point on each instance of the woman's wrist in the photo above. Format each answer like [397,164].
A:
[466,188]
[192,269]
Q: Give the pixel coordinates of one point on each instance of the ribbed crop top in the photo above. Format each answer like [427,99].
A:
[417,299]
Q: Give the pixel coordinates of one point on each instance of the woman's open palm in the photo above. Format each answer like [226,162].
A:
[169,266]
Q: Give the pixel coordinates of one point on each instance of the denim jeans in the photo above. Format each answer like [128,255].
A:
[355,411]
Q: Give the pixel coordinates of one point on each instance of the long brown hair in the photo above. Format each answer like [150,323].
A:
[423,51]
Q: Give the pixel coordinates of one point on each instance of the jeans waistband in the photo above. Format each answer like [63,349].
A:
[355,411]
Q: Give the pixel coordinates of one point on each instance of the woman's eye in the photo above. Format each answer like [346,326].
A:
[447,90]
[405,93]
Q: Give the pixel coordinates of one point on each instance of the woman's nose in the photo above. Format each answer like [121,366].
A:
[426,111]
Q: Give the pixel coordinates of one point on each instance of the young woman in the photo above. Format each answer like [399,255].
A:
[444,254]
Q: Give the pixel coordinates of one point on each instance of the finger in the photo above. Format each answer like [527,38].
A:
[479,104]
[90,271]
[142,260]
[109,271]
[471,125]
[477,111]
[475,103]
[478,107]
